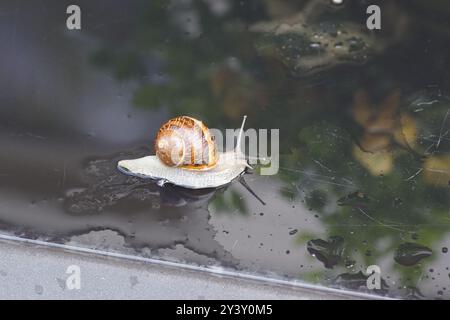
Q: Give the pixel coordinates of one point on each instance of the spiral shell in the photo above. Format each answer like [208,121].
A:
[186,142]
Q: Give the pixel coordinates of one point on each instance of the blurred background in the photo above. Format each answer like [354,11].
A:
[364,119]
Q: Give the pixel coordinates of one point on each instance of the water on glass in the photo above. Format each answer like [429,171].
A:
[364,120]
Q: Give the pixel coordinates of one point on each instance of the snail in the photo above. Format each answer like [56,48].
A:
[187,156]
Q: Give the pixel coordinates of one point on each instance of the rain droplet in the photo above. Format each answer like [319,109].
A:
[355,281]
[409,254]
[349,264]
[39,289]
[328,252]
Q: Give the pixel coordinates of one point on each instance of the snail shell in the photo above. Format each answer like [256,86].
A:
[186,143]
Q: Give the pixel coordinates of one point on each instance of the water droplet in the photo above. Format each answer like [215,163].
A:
[328,252]
[355,281]
[409,254]
[349,264]
[39,289]
[413,293]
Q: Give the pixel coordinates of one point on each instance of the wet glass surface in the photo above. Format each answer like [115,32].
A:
[364,121]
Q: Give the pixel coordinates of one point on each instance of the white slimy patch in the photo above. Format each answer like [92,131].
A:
[229,166]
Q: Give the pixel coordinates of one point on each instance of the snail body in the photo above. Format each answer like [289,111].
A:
[187,156]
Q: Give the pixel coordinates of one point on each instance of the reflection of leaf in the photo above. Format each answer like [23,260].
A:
[323,137]
[229,201]
[238,202]
[150,95]
[432,122]
[303,237]
[378,163]
[376,120]
[373,143]
[383,126]
[437,170]
[316,200]
[406,134]
[309,47]
[313,276]
[362,110]
[219,76]
[126,64]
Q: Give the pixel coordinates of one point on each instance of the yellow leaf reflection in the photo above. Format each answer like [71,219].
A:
[437,170]
[384,128]
[377,163]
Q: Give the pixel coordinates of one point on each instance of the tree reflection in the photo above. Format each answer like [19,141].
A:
[365,137]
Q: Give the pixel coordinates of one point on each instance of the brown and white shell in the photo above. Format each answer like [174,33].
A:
[186,142]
